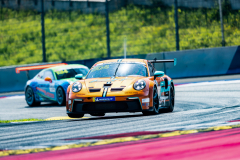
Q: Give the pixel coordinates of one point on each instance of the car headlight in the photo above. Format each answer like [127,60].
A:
[76,87]
[139,85]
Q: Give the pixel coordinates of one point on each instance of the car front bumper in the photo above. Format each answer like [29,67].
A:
[130,104]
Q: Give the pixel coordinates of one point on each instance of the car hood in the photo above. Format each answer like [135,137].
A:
[117,82]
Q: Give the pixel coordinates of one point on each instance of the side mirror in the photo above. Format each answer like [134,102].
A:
[48,79]
[158,74]
[79,76]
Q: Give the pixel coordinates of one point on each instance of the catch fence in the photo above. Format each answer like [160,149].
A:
[33,31]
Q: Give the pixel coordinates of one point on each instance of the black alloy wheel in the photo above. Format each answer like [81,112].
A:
[171,99]
[71,115]
[61,97]
[97,114]
[155,104]
[29,97]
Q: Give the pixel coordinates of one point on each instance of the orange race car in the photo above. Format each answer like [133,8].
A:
[121,85]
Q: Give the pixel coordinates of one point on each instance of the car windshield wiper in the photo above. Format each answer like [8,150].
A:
[116,70]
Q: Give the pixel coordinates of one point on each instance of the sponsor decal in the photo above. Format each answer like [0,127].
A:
[62,71]
[46,93]
[111,80]
[101,80]
[131,92]
[145,104]
[80,94]
[145,100]
[100,67]
[52,87]
[103,99]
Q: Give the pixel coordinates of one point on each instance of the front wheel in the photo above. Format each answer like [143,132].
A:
[30,98]
[61,97]
[75,115]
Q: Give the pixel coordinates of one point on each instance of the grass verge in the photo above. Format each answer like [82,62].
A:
[21,120]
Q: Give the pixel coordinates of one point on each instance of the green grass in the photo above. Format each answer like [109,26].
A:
[21,120]
[77,36]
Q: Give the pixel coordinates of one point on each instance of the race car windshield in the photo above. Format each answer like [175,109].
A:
[71,72]
[103,70]
[117,70]
[131,69]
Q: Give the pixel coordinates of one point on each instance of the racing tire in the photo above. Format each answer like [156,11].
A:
[61,97]
[30,98]
[155,104]
[75,115]
[171,99]
[97,114]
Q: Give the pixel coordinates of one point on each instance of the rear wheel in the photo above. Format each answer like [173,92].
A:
[61,97]
[30,98]
[97,114]
[75,115]
[155,104]
[171,99]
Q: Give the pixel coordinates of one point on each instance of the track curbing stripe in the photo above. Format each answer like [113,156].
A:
[117,140]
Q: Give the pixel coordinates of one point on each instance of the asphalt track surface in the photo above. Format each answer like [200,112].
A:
[198,105]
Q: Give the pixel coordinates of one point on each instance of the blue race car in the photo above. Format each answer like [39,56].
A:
[50,85]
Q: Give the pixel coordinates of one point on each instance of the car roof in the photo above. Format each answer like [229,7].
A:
[123,60]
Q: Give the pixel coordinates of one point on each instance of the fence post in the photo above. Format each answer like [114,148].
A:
[176,24]
[107,30]
[221,19]
[43,32]
[2,10]
[69,12]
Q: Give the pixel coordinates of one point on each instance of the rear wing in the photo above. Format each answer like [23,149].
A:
[19,69]
[164,61]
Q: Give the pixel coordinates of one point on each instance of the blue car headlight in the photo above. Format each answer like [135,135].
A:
[139,85]
[76,87]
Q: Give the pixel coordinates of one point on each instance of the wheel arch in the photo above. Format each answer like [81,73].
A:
[34,92]
[64,92]
[25,88]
